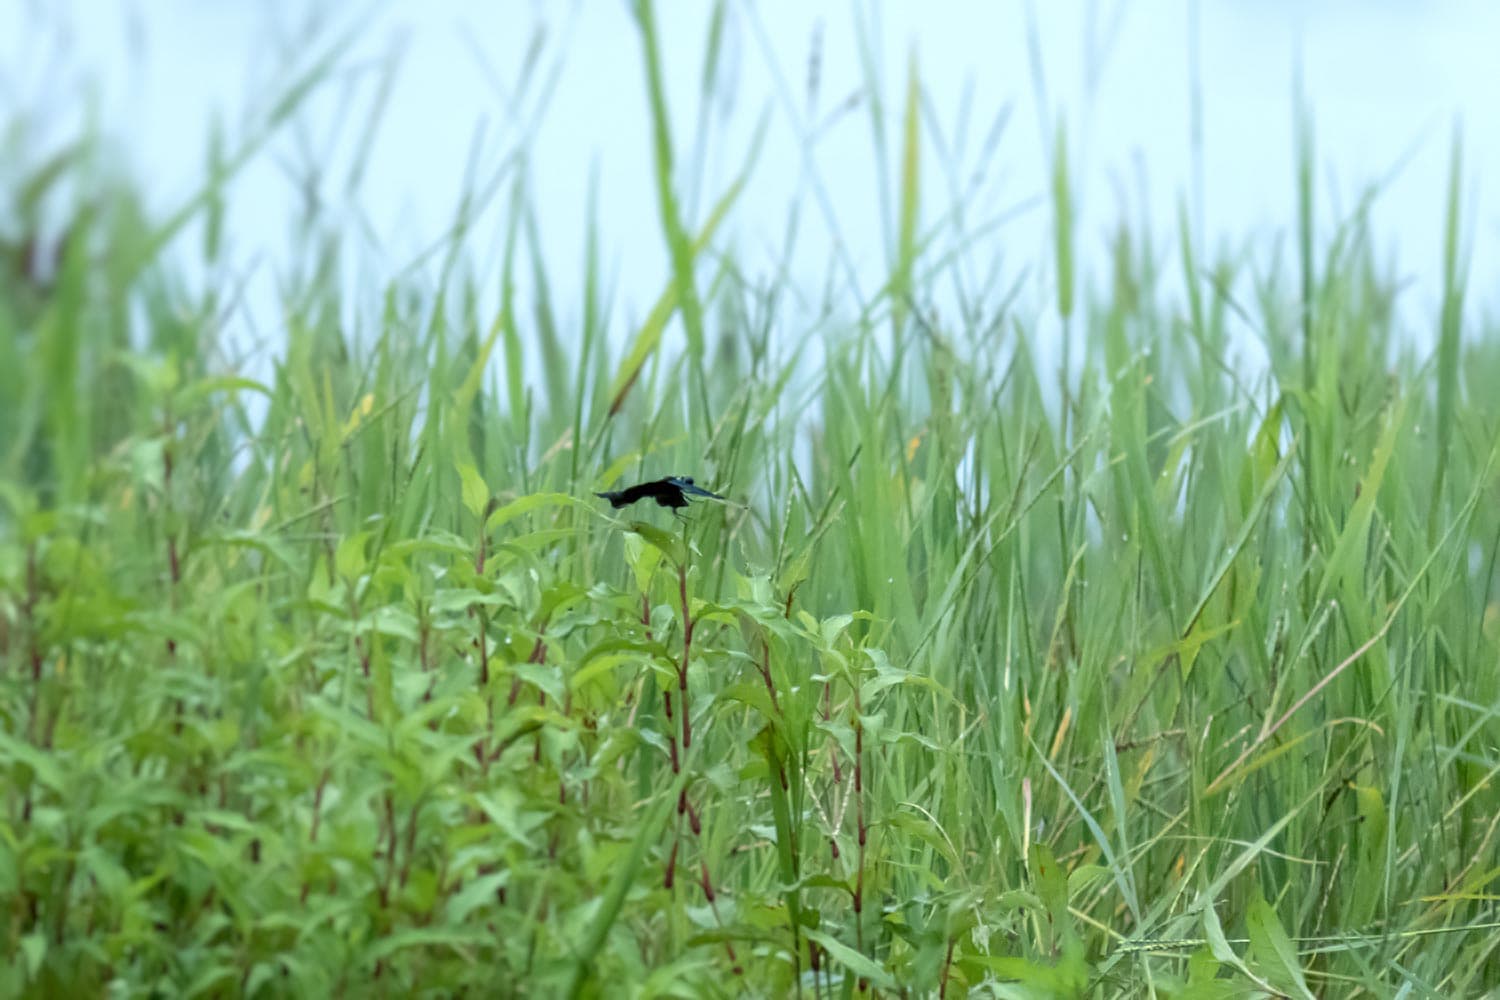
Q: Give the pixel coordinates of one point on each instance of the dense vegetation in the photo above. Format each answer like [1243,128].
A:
[1157,675]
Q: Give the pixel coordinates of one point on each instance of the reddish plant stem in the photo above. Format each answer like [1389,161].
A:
[34,652]
[317,822]
[28,612]
[388,821]
[174,561]
[536,741]
[481,552]
[359,643]
[538,656]
[859,824]
[671,733]
[670,876]
[562,787]
[411,843]
[765,671]
[666,693]
[424,657]
[687,649]
[833,750]
[317,816]
[708,892]
[484,654]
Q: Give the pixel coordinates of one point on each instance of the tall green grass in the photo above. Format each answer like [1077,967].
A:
[1180,681]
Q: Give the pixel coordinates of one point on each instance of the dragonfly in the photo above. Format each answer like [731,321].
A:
[672,491]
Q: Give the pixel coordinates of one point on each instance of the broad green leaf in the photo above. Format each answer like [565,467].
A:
[858,964]
[1273,950]
[476,495]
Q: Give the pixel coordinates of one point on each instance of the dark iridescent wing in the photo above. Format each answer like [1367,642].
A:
[686,485]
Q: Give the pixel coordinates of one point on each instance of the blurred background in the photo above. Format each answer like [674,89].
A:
[1171,110]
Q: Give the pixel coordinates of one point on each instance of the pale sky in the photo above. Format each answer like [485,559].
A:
[1384,79]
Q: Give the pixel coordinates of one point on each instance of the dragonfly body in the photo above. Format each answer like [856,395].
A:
[672,491]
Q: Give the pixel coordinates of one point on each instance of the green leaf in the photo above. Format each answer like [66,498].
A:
[1274,954]
[349,560]
[202,388]
[458,939]
[476,495]
[669,546]
[1373,842]
[1050,883]
[525,505]
[861,965]
[34,950]
[1346,562]
[44,767]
